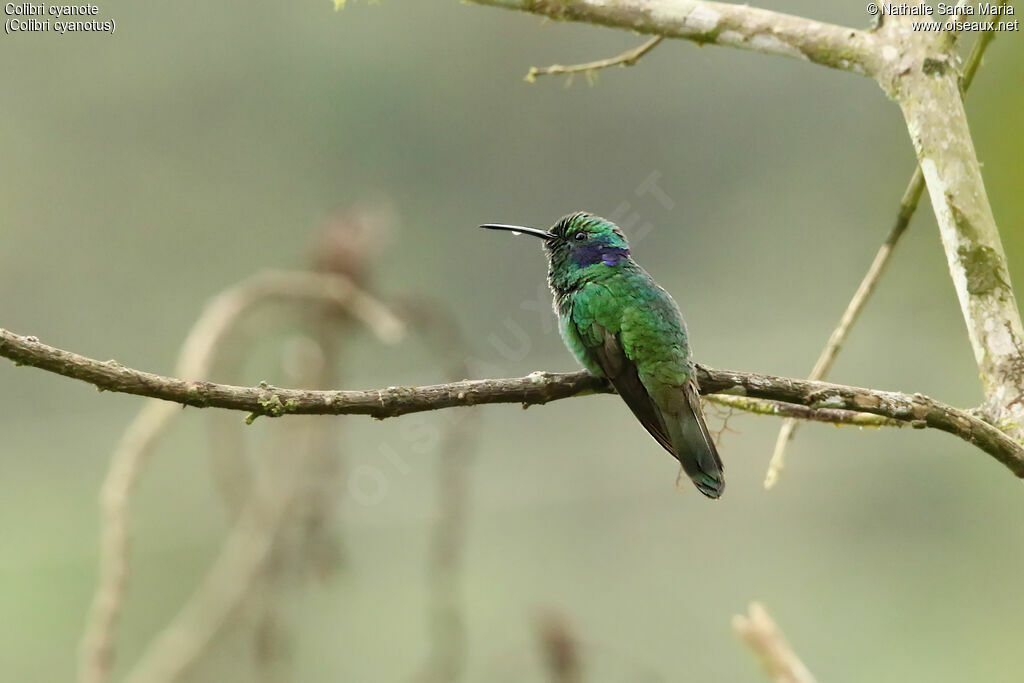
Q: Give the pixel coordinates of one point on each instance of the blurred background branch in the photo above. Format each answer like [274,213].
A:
[759,631]
[446,658]
[560,648]
[198,356]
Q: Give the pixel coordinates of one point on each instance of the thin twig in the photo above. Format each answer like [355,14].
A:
[833,416]
[761,634]
[129,459]
[539,387]
[627,58]
[908,205]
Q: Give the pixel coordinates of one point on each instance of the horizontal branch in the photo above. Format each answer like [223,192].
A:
[719,23]
[539,387]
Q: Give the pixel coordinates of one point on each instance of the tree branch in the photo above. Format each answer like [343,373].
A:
[908,206]
[718,23]
[923,79]
[762,635]
[539,387]
[918,70]
[832,416]
[446,657]
[231,578]
[627,58]
[197,358]
[560,648]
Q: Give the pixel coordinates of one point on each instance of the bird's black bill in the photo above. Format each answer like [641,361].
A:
[520,230]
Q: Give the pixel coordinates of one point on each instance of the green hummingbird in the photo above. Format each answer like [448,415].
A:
[621,325]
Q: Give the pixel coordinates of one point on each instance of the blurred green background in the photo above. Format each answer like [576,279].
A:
[204,141]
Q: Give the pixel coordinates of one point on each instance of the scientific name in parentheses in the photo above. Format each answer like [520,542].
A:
[33,18]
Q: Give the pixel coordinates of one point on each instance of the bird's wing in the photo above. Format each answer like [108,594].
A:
[672,415]
[606,348]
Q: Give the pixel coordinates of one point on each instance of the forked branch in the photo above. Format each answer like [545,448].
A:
[908,206]
[917,69]
[197,360]
[720,23]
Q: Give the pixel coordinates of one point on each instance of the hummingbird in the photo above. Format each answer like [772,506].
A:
[620,325]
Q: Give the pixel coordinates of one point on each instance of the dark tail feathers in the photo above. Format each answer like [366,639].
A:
[696,449]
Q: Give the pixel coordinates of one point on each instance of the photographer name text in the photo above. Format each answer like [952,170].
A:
[959,15]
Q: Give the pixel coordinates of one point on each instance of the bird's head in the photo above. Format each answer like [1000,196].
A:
[578,241]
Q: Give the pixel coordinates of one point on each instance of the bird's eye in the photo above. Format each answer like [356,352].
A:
[580,236]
